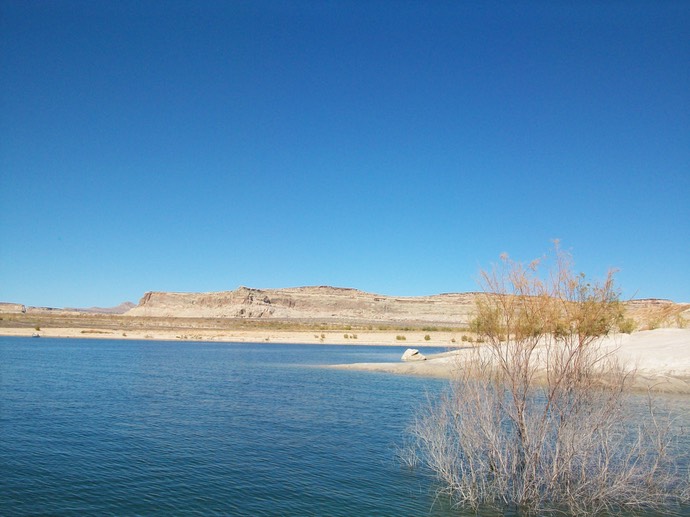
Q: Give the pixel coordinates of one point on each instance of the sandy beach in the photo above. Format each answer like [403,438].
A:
[660,357]
[413,339]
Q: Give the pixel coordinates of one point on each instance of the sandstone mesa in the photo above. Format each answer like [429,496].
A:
[336,305]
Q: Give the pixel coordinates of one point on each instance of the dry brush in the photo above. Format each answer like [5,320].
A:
[540,418]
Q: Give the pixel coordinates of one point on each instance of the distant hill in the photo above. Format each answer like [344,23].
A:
[344,305]
[120,309]
[6,307]
[10,308]
[322,303]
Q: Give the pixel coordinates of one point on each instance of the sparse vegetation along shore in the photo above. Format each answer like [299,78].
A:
[538,419]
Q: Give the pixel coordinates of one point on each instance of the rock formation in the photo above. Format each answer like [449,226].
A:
[412,354]
[333,305]
[326,304]
[351,306]
[16,308]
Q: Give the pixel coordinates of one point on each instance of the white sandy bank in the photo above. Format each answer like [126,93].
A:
[661,358]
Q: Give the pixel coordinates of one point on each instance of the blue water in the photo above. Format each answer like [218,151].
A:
[90,427]
[100,427]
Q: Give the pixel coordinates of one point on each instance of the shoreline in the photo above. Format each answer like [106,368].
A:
[661,357]
[413,338]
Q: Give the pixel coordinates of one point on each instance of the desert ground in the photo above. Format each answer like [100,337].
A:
[412,338]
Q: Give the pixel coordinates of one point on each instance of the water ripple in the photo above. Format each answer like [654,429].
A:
[140,428]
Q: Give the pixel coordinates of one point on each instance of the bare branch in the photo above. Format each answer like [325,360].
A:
[539,417]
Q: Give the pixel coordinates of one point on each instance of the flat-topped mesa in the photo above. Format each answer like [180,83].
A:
[339,305]
[318,303]
[350,306]
[12,308]
[651,313]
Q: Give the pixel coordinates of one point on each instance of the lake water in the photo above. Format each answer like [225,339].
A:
[141,427]
[90,427]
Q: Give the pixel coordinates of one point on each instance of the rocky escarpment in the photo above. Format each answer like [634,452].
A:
[310,303]
[12,308]
[342,305]
[327,305]
[652,313]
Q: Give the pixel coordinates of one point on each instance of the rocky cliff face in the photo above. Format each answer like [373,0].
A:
[341,305]
[310,303]
[12,308]
[651,313]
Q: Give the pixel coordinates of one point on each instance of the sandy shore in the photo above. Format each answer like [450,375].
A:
[661,358]
[412,339]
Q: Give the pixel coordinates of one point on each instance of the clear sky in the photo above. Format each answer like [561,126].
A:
[391,146]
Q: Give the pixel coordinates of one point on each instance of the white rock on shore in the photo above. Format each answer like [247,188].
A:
[412,354]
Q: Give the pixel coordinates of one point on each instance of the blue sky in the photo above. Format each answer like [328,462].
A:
[391,146]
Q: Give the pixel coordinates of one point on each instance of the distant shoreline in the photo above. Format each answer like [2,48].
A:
[412,338]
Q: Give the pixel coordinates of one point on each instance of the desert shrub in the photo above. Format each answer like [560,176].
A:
[627,326]
[427,337]
[400,338]
[539,418]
